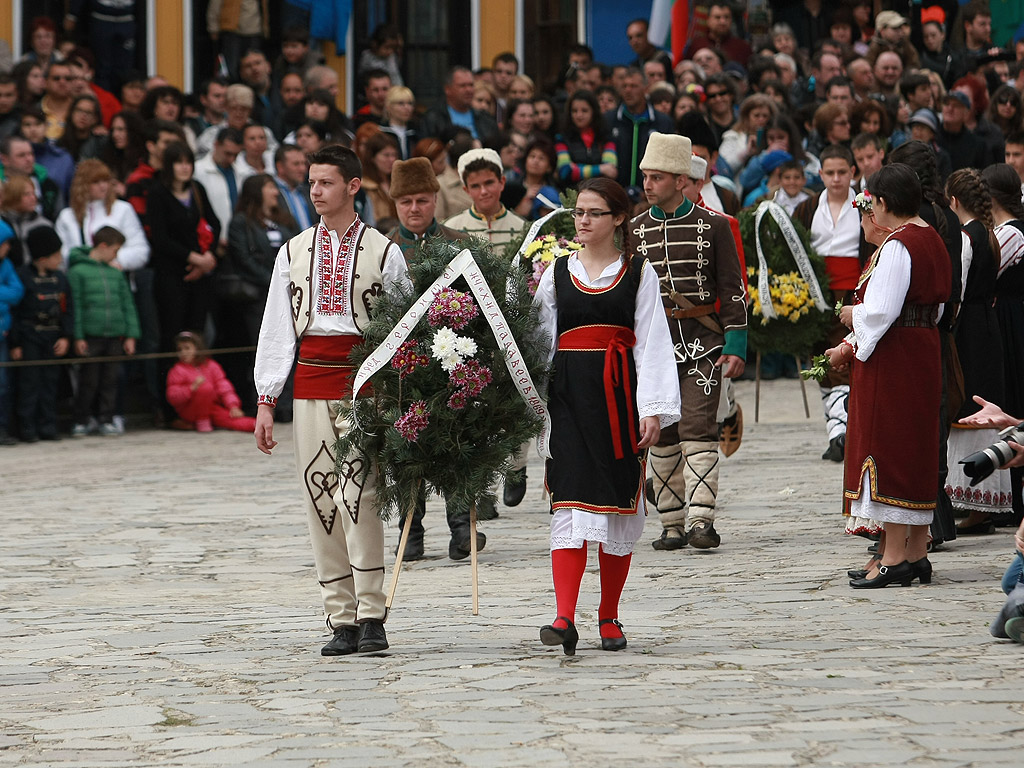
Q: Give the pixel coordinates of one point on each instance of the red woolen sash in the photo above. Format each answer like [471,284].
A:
[323,371]
[843,272]
[614,341]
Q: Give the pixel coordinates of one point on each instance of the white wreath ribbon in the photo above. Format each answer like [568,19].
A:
[464,265]
[535,228]
[796,247]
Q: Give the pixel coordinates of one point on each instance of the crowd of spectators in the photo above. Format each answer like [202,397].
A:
[204,187]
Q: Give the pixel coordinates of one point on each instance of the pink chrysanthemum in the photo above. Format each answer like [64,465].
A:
[413,421]
[408,358]
[452,308]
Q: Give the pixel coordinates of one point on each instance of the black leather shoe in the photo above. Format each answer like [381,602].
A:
[671,538]
[344,642]
[703,536]
[984,528]
[836,449]
[901,574]
[372,636]
[567,638]
[922,570]
[860,574]
[515,487]
[459,548]
[612,643]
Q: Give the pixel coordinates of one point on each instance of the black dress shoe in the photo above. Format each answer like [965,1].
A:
[515,487]
[567,638]
[836,449]
[901,574]
[372,636]
[860,574]
[612,643]
[922,570]
[344,642]
[671,538]
[984,528]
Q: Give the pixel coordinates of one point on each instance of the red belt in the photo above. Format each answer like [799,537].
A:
[614,341]
[323,372]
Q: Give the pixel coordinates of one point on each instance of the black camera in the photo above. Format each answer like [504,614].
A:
[980,465]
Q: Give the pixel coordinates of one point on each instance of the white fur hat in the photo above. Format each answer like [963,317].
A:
[479,154]
[698,168]
[667,152]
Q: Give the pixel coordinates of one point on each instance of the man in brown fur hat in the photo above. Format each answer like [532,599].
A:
[414,189]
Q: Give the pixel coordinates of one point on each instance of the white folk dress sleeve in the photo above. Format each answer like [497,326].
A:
[883,298]
[966,257]
[275,349]
[657,387]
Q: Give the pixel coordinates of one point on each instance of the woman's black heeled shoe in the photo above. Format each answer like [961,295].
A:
[862,573]
[612,643]
[902,574]
[567,638]
[922,570]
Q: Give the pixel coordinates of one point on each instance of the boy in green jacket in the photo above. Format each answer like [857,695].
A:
[106,324]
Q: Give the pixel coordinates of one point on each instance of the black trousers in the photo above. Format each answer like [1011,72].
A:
[98,381]
[37,387]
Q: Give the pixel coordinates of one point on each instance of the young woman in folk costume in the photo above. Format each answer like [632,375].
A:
[613,386]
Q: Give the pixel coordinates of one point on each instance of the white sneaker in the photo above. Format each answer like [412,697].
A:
[79,430]
[118,422]
[108,430]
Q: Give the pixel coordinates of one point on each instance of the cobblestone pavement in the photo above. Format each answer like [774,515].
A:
[158,608]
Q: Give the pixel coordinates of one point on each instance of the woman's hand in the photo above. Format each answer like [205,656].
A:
[197,382]
[846,316]
[650,431]
[199,265]
[609,169]
[839,357]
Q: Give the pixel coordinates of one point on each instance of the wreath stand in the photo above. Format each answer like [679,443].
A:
[757,387]
[400,556]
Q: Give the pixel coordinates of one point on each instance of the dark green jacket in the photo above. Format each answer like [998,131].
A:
[102,301]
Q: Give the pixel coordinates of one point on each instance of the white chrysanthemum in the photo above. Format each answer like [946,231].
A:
[465,346]
[450,362]
[444,343]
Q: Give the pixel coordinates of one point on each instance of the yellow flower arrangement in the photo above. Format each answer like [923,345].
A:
[544,250]
[790,296]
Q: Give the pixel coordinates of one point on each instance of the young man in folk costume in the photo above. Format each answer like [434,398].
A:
[414,188]
[693,251]
[834,224]
[321,296]
[483,180]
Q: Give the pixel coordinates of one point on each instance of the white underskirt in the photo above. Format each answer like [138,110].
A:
[866,507]
[618,534]
[994,494]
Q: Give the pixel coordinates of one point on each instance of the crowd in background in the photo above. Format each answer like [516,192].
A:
[205,187]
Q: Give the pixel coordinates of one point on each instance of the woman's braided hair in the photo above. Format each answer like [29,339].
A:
[1004,185]
[969,187]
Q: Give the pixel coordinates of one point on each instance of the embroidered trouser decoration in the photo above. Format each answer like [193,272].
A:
[666,486]
[834,404]
[700,472]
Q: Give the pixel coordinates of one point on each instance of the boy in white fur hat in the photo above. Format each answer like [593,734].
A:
[693,251]
[483,179]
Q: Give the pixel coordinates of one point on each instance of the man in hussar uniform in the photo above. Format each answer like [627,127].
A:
[322,290]
[693,251]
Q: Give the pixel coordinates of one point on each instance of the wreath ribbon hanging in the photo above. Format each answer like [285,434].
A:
[463,265]
[796,247]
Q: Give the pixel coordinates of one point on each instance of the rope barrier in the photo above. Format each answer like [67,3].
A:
[120,358]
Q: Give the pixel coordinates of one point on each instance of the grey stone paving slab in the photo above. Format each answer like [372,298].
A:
[177,623]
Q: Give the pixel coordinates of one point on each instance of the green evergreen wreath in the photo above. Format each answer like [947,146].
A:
[792,337]
[453,430]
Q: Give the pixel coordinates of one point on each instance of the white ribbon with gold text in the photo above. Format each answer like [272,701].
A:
[464,265]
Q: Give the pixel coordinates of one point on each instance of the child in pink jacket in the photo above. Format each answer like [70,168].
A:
[201,393]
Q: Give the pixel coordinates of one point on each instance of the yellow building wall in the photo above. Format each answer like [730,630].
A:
[338,64]
[7,27]
[497,29]
[170,42]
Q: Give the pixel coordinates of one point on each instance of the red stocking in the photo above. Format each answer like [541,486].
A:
[614,571]
[567,567]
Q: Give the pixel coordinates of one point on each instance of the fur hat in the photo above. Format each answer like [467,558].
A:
[411,177]
[480,154]
[698,168]
[667,152]
[43,242]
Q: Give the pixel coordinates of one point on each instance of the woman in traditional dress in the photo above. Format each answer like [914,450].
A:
[613,386]
[1008,217]
[979,345]
[892,443]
